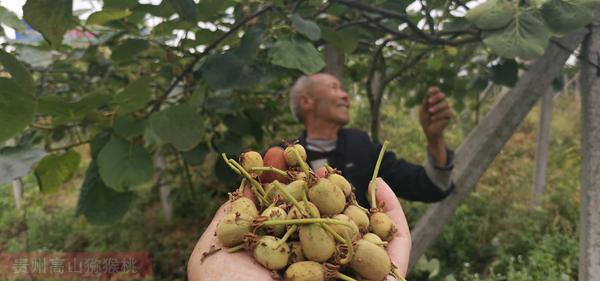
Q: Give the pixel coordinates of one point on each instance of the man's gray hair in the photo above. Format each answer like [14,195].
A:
[300,88]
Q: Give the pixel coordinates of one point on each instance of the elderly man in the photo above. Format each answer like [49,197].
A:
[321,103]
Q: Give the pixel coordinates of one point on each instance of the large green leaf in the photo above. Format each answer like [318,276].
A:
[52,18]
[345,40]
[186,9]
[129,49]
[9,18]
[225,71]
[17,161]
[17,108]
[134,97]
[124,164]
[492,14]
[564,16]
[107,15]
[119,4]
[128,126]
[19,73]
[305,27]
[197,154]
[178,125]
[98,203]
[65,111]
[208,9]
[56,169]
[526,36]
[249,44]
[297,54]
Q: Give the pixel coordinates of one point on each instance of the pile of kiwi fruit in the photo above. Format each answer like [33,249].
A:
[305,227]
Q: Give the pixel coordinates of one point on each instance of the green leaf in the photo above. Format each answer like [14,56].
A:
[17,108]
[65,111]
[197,155]
[186,9]
[526,36]
[17,161]
[564,16]
[129,49]
[249,44]
[56,169]
[307,28]
[345,40]
[134,97]
[225,71]
[18,72]
[9,18]
[297,54]
[107,15]
[128,126]
[119,4]
[505,73]
[52,18]
[208,9]
[492,14]
[178,125]
[123,164]
[98,203]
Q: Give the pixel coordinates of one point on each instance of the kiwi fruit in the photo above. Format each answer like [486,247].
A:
[340,228]
[341,183]
[271,253]
[244,206]
[382,225]
[310,208]
[370,261]
[232,227]
[317,244]
[275,213]
[358,216]
[290,157]
[327,197]
[251,159]
[305,271]
[296,253]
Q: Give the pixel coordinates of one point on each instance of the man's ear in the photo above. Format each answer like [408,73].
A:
[306,103]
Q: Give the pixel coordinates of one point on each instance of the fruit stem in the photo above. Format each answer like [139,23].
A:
[329,169]
[291,198]
[301,162]
[345,277]
[256,187]
[333,233]
[287,235]
[306,221]
[359,206]
[348,242]
[373,184]
[235,248]
[269,169]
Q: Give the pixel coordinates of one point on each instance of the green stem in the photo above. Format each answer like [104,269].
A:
[359,206]
[247,176]
[269,169]
[235,248]
[291,198]
[301,162]
[345,277]
[255,186]
[306,221]
[397,274]
[230,165]
[333,233]
[287,235]
[373,184]
[348,242]
[328,168]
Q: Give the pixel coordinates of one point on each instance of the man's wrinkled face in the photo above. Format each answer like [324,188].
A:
[330,100]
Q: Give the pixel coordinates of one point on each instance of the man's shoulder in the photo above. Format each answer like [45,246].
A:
[355,133]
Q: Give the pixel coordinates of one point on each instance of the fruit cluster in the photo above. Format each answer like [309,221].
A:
[307,227]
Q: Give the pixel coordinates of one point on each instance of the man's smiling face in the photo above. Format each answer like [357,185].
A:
[330,100]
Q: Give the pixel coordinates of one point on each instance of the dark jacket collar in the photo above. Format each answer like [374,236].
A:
[339,146]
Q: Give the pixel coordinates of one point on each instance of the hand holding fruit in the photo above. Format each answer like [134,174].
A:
[309,229]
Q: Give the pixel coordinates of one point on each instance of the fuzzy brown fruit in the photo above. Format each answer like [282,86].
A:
[370,261]
[290,157]
[358,216]
[251,159]
[244,206]
[232,227]
[382,225]
[327,197]
[274,157]
[317,244]
[305,271]
[270,253]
